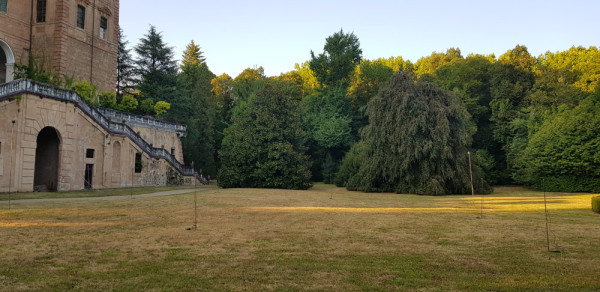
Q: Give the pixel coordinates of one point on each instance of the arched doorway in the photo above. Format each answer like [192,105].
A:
[45,177]
[7,62]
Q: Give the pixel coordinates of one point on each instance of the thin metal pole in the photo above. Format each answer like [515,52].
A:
[472,187]
[471,171]
[195,200]
[547,229]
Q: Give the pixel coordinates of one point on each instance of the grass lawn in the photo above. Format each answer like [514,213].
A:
[325,238]
[96,192]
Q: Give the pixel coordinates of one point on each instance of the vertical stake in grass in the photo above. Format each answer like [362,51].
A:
[547,226]
[472,187]
[195,200]
[471,172]
[12,129]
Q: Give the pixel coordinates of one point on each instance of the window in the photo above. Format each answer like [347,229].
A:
[80,16]
[3,5]
[173,151]
[138,162]
[103,26]
[41,11]
[89,153]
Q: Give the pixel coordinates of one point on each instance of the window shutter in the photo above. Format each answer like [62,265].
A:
[3,5]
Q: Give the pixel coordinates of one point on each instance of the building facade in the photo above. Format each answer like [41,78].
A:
[52,140]
[75,39]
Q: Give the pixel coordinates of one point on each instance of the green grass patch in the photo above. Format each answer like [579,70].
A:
[324,239]
[95,192]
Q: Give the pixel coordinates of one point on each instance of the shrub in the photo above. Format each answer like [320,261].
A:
[37,72]
[562,155]
[128,103]
[351,164]
[567,184]
[596,204]
[161,107]
[87,91]
[108,100]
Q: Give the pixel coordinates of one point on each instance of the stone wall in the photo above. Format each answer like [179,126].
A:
[112,162]
[161,139]
[61,46]
[14,29]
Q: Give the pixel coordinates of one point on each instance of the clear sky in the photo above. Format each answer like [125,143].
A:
[276,34]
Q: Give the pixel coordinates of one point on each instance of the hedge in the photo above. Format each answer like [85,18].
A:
[569,184]
[596,204]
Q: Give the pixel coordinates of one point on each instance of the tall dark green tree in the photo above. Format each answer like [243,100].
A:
[416,142]
[328,116]
[125,67]
[156,68]
[195,105]
[264,146]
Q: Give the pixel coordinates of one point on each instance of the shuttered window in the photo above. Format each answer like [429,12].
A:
[103,26]
[80,16]
[3,5]
[41,11]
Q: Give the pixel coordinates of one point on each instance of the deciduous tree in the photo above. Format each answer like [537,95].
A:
[416,141]
[341,54]
[264,146]
[564,154]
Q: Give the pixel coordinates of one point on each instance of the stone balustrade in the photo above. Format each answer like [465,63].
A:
[21,86]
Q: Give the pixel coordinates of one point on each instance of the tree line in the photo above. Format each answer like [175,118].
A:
[378,125]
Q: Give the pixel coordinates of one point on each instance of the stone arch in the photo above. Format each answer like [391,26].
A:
[7,62]
[45,176]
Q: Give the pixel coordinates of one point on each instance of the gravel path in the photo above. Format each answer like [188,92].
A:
[157,194]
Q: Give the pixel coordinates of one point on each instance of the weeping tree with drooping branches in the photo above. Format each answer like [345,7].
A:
[416,141]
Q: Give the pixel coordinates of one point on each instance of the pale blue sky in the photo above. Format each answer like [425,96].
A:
[235,35]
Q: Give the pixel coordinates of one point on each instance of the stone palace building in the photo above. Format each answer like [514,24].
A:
[50,138]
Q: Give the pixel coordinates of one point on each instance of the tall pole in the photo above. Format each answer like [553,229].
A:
[472,187]
[471,171]
[547,229]
[195,200]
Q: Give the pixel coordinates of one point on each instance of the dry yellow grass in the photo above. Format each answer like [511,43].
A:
[321,239]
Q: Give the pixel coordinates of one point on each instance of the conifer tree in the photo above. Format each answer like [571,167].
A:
[195,105]
[156,67]
[192,56]
[125,67]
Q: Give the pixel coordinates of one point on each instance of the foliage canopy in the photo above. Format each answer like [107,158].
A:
[264,146]
[416,141]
